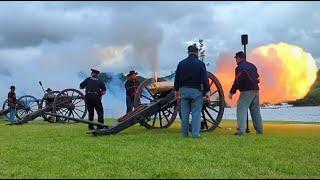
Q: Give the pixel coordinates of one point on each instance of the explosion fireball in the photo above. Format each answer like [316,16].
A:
[286,72]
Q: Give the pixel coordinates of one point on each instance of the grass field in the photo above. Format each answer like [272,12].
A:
[42,150]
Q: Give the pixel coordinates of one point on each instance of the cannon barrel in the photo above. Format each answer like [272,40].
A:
[161,87]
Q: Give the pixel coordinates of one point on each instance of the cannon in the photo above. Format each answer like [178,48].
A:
[156,108]
[212,111]
[25,105]
[59,106]
[47,103]
[28,104]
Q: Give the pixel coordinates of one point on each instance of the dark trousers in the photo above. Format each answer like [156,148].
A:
[94,102]
[129,101]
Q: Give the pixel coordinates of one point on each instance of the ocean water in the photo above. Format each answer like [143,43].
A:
[306,114]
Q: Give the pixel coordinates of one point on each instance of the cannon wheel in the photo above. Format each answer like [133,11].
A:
[43,105]
[6,106]
[70,102]
[212,112]
[162,119]
[27,104]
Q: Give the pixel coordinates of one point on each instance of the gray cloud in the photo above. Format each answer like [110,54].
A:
[28,24]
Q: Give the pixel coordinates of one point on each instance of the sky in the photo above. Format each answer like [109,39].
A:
[55,41]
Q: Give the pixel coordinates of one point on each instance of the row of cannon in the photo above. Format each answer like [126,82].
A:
[69,102]
[153,109]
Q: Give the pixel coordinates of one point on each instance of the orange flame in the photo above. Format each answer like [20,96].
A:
[286,72]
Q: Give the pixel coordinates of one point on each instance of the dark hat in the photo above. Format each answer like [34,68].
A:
[240,54]
[12,87]
[193,48]
[132,72]
[48,90]
[95,71]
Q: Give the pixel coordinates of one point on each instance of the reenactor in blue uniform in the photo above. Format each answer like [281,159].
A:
[191,84]
[95,89]
[246,81]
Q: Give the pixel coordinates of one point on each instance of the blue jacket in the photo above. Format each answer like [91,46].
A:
[246,78]
[191,72]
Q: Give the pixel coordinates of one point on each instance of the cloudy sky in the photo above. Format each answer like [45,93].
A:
[54,41]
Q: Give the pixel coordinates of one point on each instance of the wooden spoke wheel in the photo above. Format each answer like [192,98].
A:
[26,105]
[162,119]
[212,111]
[71,103]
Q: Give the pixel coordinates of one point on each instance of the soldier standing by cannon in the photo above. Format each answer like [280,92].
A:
[131,86]
[12,102]
[191,82]
[246,81]
[95,89]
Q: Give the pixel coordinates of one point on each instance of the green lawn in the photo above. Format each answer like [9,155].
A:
[42,150]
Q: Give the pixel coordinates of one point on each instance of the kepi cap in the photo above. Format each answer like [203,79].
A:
[193,48]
